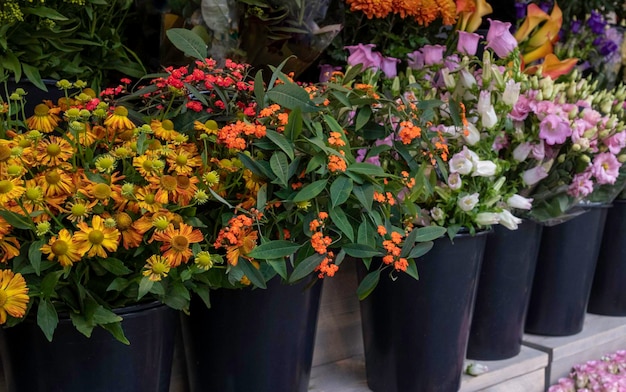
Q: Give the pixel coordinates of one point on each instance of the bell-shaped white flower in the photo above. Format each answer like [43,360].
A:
[488,117]
[484,169]
[519,202]
[509,220]
[487,218]
[468,202]
[471,134]
[511,92]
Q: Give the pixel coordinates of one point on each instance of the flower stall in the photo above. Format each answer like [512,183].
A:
[459,166]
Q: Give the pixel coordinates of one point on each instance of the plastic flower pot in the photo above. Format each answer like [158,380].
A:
[253,340]
[75,363]
[415,331]
[608,296]
[565,267]
[504,285]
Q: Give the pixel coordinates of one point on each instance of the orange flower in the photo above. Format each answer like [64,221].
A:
[471,20]
[326,267]
[176,243]
[96,239]
[553,67]
[335,139]
[371,8]
[534,16]
[64,248]
[238,238]
[336,163]
[45,119]
[409,132]
[118,120]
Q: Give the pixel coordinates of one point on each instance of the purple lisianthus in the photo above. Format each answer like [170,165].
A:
[416,60]
[596,22]
[433,54]
[362,54]
[468,43]
[576,26]
[554,130]
[389,66]
[500,39]
[605,168]
[616,142]
[581,185]
[520,10]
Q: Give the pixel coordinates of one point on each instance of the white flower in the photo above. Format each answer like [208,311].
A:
[511,92]
[473,136]
[467,203]
[521,152]
[454,181]
[437,213]
[488,116]
[448,79]
[460,163]
[508,220]
[519,202]
[487,218]
[466,79]
[484,169]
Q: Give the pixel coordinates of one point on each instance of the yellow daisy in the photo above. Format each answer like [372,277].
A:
[146,199]
[118,120]
[183,162]
[164,129]
[156,268]
[62,247]
[176,243]
[53,151]
[56,182]
[45,119]
[97,238]
[146,165]
[13,295]
[9,248]
[11,190]
[78,211]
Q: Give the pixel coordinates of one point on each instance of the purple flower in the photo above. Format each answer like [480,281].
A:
[362,54]
[361,153]
[616,142]
[605,168]
[500,39]
[596,22]
[433,54]
[581,185]
[468,43]
[576,26]
[416,60]
[608,47]
[520,10]
[326,71]
[554,130]
[388,66]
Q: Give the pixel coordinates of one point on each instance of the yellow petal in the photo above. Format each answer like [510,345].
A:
[534,16]
[538,53]
[550,30]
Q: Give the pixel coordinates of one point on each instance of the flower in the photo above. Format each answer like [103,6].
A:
[13,295]
[500,39]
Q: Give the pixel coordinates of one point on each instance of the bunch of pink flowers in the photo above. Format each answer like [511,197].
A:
[605,375]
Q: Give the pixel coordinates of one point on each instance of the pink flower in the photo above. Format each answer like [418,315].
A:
[416,60]
[581,185]
[521,108]
[433,54]
[616,142]
[534,175]
[500,39]
[362,54]
[326,71]
[605,168]
[468,42]
[539,150]
[388,66]
[554,130]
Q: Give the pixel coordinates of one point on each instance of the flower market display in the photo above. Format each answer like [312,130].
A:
[295,137]
[606,374]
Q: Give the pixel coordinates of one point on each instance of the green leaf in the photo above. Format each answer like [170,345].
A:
[340,190]
[34,255]
[49,283]
[47,318]
[455,112]
[365,194]
[294,126]
[118,284]
[429,233]
[420,249]
[204,293]
[116,330]
[32,74]
[368,284]
[411,270]
[310,191]
[367,168]
[82,324]
[281,141]
[261,198]
[188,42]
[306,266]
[274,250]
[15,220]
[292,96]
[114,266]
[360,250]
[280,266]
[177,296]
[366,234]
[44,12]
[144,287]
[280,167]
[363,117]
[255,167]
[12,63]
[255,276]
[341,98]
[259,90]
[104,316]
[340,219]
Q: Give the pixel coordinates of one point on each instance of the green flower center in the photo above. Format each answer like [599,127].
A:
[159,268]
[181,160]
[121,111]
[59,248]
[53,150]
[79,210]
[41,110]
[96,237]
[168,125]
[102,191]
[6,186]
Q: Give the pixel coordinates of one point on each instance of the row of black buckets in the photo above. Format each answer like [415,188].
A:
[474,297]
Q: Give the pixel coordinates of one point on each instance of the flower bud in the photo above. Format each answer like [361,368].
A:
[561,158]
[585,158]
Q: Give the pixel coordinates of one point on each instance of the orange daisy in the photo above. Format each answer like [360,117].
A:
[176,243]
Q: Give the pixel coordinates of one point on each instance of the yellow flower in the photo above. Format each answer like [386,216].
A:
[9,247]
[13,295]
[64,248]
[156,268]
[183,162]
[203,260]
[146,199]
[79,210]
[53,151]
[146,165]
[97,239]
[11,190]
[163,129]
[118,120]
[44,119]
[176,242]
[56,183]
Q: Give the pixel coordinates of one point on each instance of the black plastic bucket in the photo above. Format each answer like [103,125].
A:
[258,340]
[564,274]
[504,285]
[75,363]
[415,331]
